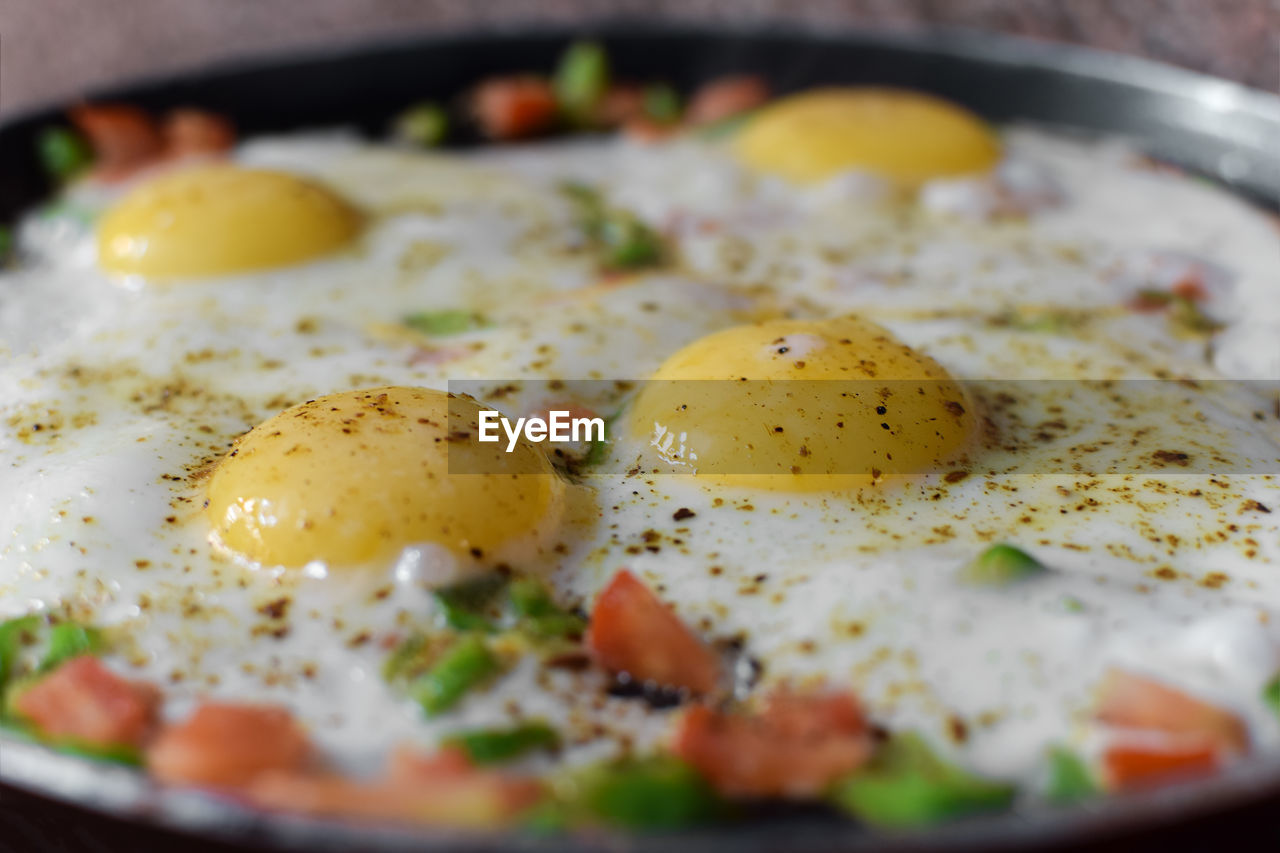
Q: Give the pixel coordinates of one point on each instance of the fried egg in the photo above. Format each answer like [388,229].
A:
[226,440]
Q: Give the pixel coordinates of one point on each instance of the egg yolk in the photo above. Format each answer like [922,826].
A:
[801,406]
[355,477]
[220,220]
[904,136]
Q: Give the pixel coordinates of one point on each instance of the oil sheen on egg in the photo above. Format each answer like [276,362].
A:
[242,474]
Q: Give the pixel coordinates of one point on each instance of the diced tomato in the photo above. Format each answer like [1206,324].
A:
[1191,287]
[514,107]
[1146,303]
[620,102]
[123,137]
[633,632]
[439,790]
[1128,768]
[407,765]
[725,97]
[189,132]
[1135,702]
[641,128]
[796,747]
[84,701]
[225,745]
[574,410]
[438,355]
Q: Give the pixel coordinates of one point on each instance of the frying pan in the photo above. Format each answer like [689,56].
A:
[1212,127]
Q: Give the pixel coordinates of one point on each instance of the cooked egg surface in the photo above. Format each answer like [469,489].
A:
[800,405]
[217,220]
[905,136]
[1152,502]
[349,478]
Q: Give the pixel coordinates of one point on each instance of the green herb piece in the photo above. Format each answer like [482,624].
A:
[620,239]
[1186,314]
[661,103]
[1150,297]
[63,209]
[648,794]
[63,153]
[494,746]
[629,243]
[117,753]
[539,614]
[6,244]
[599,449]
[581,79]
[14,634]
[588,204]
[725,127]
[467,664]
[68,640]
[1071,604]
[1000,565]
[1069,779]
[1271,695]
[549,817]
[1052,321]
[907,785]
[425,124]
[409,659]
[464,604]
[442,323]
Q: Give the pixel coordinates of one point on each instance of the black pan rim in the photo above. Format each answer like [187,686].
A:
[961,42]
[39,771]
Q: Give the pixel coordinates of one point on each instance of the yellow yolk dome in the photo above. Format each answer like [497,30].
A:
[357,476]
[856,405]
[905,136]
[222,219]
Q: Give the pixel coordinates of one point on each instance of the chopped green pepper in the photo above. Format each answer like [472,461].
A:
[661,103]
[1188,316]
[409,659]
[539,614]
[726,126]
[907,785]
[464,604]
[600,447]
[620,239]
[1000,565]
[1049,320]
[68,640]
[63,152]
[14,633]
[424,124]
[1071,604]
[119,753]
[648,794]
[1271,695]
[494,746]
[467,664]
[629,243]
[65,641]
[581,79]
[442,323]
[1069,779]
[1184,312]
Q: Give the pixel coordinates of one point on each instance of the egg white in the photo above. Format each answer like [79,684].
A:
[116,396]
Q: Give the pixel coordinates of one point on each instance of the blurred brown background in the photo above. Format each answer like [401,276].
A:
[52,49]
